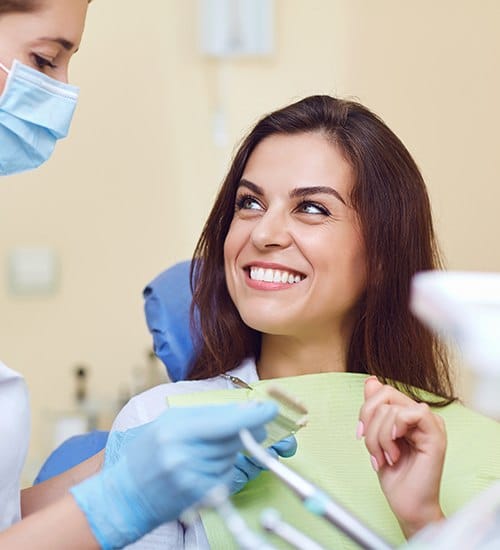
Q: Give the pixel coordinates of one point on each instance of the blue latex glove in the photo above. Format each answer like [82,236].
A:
[167,467]
[247,468]
[244,470]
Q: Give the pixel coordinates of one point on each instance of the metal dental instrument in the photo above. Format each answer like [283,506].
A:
[218,499]
[237,381]
[272,522]
[292,415]
[314,499]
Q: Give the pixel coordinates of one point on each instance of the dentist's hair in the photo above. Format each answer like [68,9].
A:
[391,201]
[20,6]
[13,6]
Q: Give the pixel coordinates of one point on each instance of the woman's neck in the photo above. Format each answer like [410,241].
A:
[291,356]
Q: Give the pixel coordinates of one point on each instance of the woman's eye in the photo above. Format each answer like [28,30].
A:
[42,62]
[313,208]
[248,203]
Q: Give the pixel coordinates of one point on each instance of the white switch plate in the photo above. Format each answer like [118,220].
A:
[33,271]
[233,28]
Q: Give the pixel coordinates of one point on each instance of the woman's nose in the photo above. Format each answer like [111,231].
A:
[272,230]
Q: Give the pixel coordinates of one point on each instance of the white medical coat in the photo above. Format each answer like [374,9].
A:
[147,406]
[14,438]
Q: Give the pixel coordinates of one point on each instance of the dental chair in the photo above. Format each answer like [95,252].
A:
[167,300]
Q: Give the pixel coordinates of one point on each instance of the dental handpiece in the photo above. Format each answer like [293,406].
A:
[315,500]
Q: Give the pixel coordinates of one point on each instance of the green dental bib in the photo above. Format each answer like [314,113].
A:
[330,456]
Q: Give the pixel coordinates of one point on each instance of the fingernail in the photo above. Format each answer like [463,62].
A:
[374,462]
[393,435]
[360,431]
[388,458]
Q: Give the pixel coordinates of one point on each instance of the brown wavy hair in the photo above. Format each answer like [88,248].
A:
[391,201]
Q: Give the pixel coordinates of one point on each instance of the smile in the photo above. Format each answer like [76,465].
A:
[274,275]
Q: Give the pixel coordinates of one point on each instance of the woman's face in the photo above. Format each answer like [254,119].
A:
[294,255]
[44,39]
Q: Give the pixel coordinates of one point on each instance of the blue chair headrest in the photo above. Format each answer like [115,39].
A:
[167,300]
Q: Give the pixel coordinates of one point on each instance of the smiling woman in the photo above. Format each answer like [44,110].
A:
[373,229]
[291,220]
[302,273]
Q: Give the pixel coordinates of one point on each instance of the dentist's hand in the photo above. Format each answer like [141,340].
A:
[247,468]
[407,445]
[167,466]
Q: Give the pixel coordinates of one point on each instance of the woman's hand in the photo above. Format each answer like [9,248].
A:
[407,445]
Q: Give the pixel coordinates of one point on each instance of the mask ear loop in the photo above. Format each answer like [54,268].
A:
[9,72]
[4,68]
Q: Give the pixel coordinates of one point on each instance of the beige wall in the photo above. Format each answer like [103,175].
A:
[126,194]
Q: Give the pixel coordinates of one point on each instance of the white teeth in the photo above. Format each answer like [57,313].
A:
[268,276]
[274,276]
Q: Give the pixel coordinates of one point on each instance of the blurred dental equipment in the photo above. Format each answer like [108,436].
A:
[218,500]
[476,525]
[465,307]
[271,521]
[291,417]
[314,499]
[292,413]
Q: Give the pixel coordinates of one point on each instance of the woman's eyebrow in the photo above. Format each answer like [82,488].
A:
[315,190]
[66,44]
[298,192]
[252,186]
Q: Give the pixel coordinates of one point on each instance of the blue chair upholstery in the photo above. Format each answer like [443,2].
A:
[71,452]
[167,301]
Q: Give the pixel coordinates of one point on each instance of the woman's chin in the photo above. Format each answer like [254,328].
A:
[269,325]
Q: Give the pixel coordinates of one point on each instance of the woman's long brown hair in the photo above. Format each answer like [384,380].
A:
[390,198]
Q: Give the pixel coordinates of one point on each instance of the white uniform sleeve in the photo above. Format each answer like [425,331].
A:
[143,408]
[146,407]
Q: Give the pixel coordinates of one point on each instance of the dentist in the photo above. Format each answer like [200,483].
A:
[164,466]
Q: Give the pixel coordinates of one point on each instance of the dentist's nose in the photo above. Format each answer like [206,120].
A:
[271,230]
[64,75]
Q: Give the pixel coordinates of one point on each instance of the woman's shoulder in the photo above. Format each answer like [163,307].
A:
[147,405]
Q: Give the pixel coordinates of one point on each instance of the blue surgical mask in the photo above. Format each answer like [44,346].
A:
[35,111]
